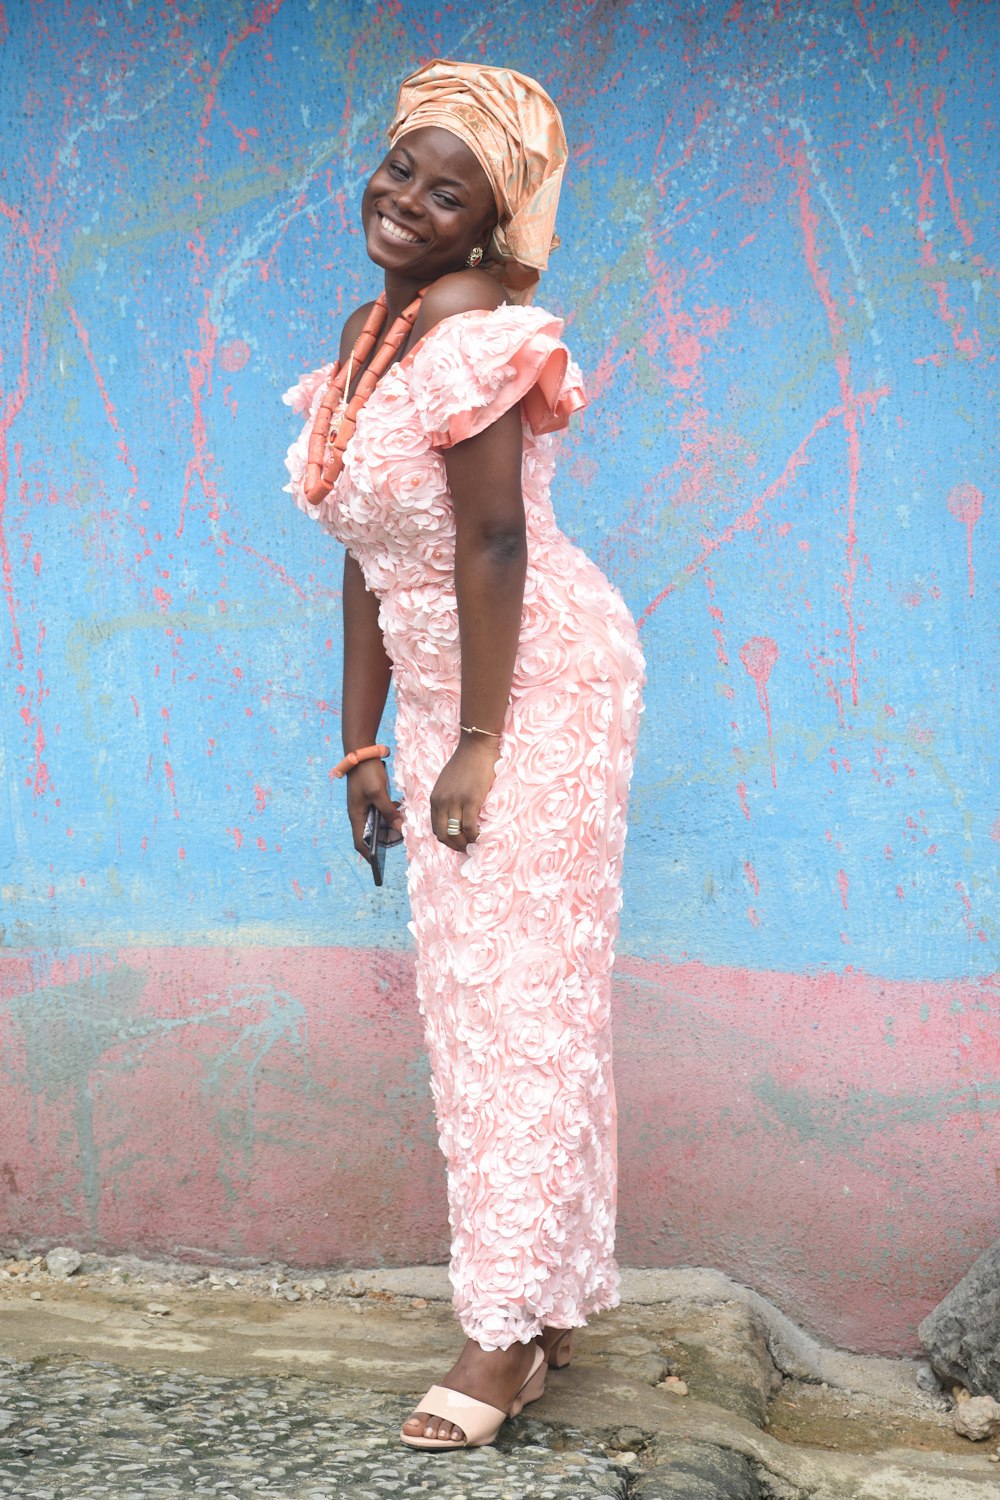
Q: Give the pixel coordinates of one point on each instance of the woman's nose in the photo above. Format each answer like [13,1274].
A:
[407,198]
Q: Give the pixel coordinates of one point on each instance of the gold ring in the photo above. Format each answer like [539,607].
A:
[454,827]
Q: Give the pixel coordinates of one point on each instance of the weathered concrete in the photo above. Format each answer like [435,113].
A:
[688,1291]
[687,1470]
[374,1351]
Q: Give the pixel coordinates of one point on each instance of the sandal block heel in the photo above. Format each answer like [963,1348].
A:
[562,1351]
[532,1389]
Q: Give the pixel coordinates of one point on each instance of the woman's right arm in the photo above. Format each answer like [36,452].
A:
[367,671]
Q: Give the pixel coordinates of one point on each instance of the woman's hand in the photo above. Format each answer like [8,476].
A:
[368,786]
[461,789]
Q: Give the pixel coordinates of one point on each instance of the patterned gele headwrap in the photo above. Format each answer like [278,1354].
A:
[511,125]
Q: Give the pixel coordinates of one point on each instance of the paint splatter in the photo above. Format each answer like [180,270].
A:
[234,355]
[965,502]
[759,655]
[741,416]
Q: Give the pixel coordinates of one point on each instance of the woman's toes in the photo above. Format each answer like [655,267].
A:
[422,1424]
[444,1432]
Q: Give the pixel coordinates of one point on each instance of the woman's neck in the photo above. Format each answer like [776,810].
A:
[399,293]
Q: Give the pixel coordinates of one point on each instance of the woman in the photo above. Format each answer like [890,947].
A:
[518,678]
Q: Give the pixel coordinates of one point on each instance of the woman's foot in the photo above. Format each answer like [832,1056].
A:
[494,1378]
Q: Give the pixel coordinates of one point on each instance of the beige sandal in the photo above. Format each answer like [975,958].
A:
[478,1420]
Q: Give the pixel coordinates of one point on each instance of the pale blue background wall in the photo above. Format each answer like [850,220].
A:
[753,191]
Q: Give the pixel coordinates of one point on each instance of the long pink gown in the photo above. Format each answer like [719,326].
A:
[515,938]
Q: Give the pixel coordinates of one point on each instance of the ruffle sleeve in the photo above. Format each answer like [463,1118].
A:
[471,368]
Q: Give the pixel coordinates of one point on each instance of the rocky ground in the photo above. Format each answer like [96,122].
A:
[122,1379]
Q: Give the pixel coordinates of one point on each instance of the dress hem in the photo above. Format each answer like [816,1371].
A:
[598,1303]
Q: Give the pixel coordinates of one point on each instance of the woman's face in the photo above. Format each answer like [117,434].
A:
[427,205]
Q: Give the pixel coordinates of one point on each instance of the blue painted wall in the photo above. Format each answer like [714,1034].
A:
[779,267]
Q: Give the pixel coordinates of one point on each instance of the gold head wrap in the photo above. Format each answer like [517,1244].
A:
[511,125]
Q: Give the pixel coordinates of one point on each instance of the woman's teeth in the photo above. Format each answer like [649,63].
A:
[396,233]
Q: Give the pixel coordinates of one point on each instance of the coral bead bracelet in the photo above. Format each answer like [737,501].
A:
[355,757]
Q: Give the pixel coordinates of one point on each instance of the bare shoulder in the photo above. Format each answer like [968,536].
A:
[353,327]
[459,292]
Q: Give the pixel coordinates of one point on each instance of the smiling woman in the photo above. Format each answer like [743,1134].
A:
[518,678]
[418,197]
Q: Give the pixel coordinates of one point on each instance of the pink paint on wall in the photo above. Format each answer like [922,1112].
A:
[965,502]
[764,1129]
[234,355]
[759,655]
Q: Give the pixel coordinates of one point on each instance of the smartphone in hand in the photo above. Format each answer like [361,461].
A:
[378,836]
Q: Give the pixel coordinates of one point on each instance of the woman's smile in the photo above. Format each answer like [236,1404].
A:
[396,231]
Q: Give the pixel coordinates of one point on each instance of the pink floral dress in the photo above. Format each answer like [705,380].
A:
[515,938]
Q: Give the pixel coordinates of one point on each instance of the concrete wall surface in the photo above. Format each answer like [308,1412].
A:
[779,274]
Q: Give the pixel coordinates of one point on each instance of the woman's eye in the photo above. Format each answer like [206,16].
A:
[447,202]
[397,168]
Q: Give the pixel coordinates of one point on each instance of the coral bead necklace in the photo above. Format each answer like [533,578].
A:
[338,411]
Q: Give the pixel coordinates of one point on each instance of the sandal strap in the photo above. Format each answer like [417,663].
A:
[476,1418]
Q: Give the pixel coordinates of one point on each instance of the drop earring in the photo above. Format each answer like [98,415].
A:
[473,258]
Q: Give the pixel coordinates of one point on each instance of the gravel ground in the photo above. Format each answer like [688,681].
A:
[87,1431]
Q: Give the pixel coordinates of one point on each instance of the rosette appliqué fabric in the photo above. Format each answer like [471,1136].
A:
[515,940]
